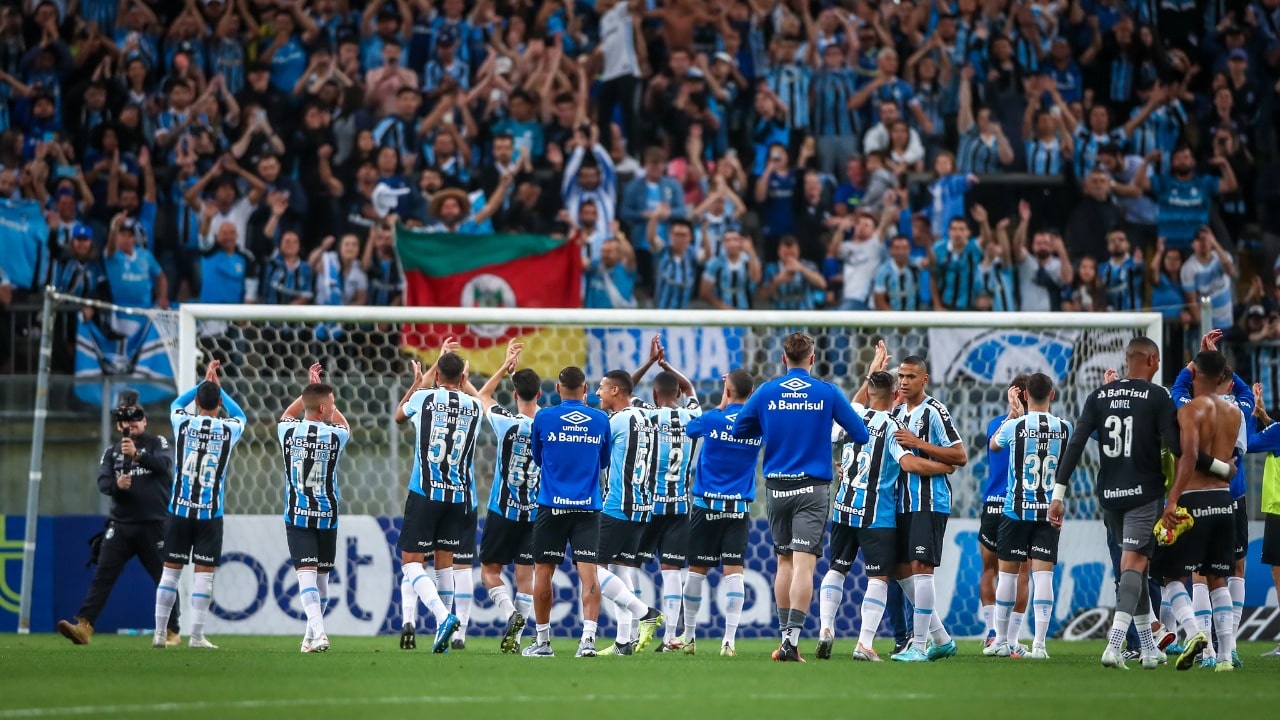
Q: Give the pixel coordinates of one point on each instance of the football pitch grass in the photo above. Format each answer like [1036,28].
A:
[44,676]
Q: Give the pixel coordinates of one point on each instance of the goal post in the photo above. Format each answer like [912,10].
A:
[266,349]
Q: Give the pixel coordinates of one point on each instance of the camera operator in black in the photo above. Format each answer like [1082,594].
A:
[137,473]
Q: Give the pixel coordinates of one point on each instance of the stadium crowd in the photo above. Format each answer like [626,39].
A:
[919,155]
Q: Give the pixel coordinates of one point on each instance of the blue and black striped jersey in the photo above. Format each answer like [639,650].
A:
[1124,283]
[446,425]
[515,476]
[311,453]
[930,421]
[674,453]
[1036,442]
[629,492]
[203,445]
[869,474]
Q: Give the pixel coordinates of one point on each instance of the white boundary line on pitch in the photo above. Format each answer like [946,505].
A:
[200,705]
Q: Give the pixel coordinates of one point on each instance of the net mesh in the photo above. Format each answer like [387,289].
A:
[264,366]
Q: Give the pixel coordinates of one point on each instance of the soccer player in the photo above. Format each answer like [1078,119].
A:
[508,528]
[666,537]
[864,515]
[1035,442]
[312,434]
[446,422]
[628,506]
[992,512]
[793,414]
[1133,418]
[924,504]
[1209,424]
[194,532]
[570,446]
[719,521]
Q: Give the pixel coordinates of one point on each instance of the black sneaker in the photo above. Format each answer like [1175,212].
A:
[458,644]
[1132,654]
[408,641]
[825,643]
[787,652]
[901,646]
[511,639]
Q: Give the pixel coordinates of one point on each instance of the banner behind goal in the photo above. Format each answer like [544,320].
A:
[265,351]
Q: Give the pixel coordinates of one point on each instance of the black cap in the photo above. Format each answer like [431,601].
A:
[127,225]
[257,66]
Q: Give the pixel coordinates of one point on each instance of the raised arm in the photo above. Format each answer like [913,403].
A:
[656,355]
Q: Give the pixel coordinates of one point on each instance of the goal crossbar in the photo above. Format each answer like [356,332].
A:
[191,313]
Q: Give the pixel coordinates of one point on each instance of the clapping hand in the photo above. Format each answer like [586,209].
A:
[880,362]
[1209,342]
[314,372]
[211,372]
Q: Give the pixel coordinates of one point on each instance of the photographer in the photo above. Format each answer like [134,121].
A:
[137,473]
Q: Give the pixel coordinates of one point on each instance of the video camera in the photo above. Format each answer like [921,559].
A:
[128,410]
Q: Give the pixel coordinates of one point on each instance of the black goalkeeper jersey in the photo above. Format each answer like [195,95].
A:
[1132,421]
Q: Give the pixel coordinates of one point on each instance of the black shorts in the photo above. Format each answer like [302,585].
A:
[797,517]
[1134,529]
[619,540]
[506,541]
[717,538]
[312,547]
[879,549]
[554,527]
[1242,529]
[666,538]
[430,525]
[920,537]
[1023,540]
[989,525]
[466,552]
[1270,539]
[190,540]
[1208,547]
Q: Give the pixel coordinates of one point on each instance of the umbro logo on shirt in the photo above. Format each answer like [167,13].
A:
[732,418]
[576,418]
[795,384]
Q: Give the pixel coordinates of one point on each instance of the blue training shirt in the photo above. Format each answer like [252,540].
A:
[1035,442]
[446,424]
[793,414]
[203,447]
[726,477]
[571,447]
[629,491]
[997,466]
[869,474]
[515,475]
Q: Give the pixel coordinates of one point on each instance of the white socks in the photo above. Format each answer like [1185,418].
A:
[1042,604]
[444,586]
[322,584]
[201,599]
[1184,618]
[544,633]
[989,618]
[694,584]
[620,586]
[524,603]
[408,601]
[464,584]
[501,597]
[166,596]
[426,591]
[1006,596]
[1203,606]
[924,598]
[1235,585]
[830,595]
[873,604]
[1223,622]
[1015,626]
[735,597]
[309,594]
[672,593]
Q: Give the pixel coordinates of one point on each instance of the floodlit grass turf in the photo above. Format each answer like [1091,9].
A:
[122,677]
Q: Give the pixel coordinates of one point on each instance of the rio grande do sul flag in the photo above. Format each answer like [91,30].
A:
[466,270]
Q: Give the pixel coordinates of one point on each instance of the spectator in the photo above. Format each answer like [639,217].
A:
[451,209]
[718,213]
[611,279]
[133,275]
[595,180]
[339,278]
[228,274]
[983,145]
[643,196]
[1123,276]
[956,270]
[729,280]
[382,265]
[1093,217]
[791,282]
[775,193]
[858,245]
[286,279]
[1208,273]
[1184,197]
[1044,271]
[1086,293]
[227,202]
[1165,276]
[77,271]
[898,280]
[675,262]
